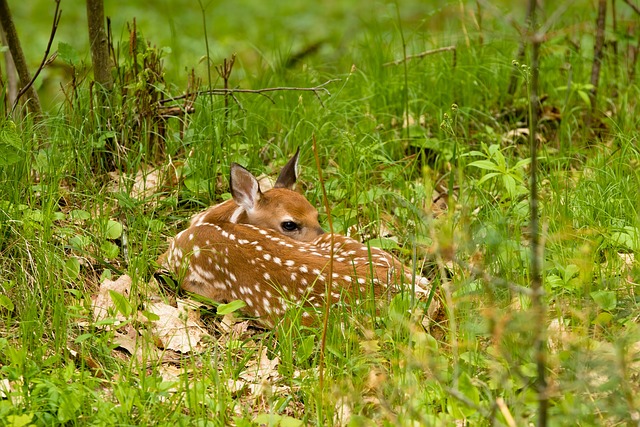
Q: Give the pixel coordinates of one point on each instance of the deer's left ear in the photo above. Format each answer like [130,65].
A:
[289,173]
[244,187]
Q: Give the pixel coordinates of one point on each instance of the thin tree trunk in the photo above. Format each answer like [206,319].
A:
[12,77]
[99,44]
[537,300]
[9,29]
[597,58]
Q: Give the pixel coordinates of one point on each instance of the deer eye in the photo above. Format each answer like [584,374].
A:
[289,226]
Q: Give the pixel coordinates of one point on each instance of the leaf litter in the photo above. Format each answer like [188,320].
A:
[167,337]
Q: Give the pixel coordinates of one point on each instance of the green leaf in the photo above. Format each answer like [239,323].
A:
[231,307]
[109,249]
[152,317]
[306,347]
[485,164]
[523,162]
[383,243]
[288,421]
[606,300]
[79,242]
[603,318]
[11,149]
[585,97]
[122,304]
[554,281]
[19,420]
[277,420]
[487,177]
[113,230]
[510,185]
[627,239]
[68,54]
[72,268]
[6,303]
[82,338]
[569,272]
[79,215]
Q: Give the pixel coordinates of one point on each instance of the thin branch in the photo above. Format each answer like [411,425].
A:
[419,55]
[633,6]
[45,60]
[222,91]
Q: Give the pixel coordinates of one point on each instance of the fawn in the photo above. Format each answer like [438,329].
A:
[271,272]
[280,209]
[269,250]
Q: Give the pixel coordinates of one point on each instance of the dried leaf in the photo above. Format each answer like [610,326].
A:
[103,303]
[176,329]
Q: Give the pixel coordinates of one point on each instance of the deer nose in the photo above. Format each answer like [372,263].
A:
[320,231]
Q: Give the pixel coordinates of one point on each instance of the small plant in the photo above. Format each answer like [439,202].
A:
[510,179]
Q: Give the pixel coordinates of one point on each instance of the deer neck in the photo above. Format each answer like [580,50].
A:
[224,212]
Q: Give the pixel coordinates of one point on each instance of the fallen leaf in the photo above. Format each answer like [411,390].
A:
[103,303]
[176,329]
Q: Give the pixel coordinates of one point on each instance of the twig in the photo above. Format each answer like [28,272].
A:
[224,71]
[419,55]
[45,60]
[222,91]
[633,6]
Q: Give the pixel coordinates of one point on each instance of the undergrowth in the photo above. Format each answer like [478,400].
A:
[441,180]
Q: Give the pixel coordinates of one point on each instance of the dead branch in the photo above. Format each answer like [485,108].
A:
[224,71]
[6,22]
[222,91]
[420,55]
[633,6]
[57,14]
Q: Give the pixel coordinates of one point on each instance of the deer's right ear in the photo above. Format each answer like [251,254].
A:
[244,187]
[288,174]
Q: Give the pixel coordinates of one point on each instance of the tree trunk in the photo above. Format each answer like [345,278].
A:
[9,29]
[98,43]
[597,58]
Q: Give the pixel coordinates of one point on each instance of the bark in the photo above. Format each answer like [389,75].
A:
[597,56]
[99,44]
[9,29]
[12,77]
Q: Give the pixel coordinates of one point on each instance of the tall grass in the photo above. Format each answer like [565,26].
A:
[63,200]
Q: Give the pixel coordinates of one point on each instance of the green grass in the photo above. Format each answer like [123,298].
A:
[68,221]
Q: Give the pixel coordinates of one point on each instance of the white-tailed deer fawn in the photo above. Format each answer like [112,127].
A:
[270,272]
[280,209]
[268,249]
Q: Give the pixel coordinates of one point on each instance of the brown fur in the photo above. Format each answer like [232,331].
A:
[270,272]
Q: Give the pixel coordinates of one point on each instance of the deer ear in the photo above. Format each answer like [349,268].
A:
[288,174]
[244,187]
